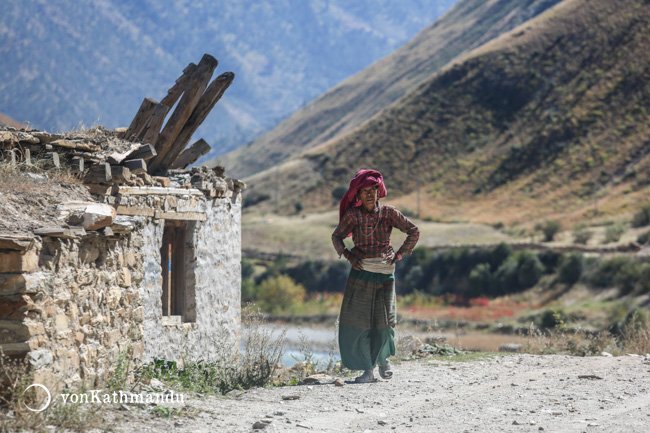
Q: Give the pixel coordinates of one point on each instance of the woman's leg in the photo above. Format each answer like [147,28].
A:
[384,320]
[355,323]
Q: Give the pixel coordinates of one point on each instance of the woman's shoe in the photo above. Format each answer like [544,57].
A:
[385,371]
[366,377]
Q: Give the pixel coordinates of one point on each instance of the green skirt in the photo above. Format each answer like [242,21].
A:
[367,321]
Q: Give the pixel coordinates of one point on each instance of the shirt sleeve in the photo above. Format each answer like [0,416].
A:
[345,227]
[405,225]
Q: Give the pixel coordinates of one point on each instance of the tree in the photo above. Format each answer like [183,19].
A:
[279,293]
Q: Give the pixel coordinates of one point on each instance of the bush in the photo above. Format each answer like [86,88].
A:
[642,217]
[614,232]
[530,269]
[335,277]
[643,238]
[499,254]
[605,273]
[571,267]
[279,293]
[553,319]
[550,229]
[626,273]
[481,280]
[252,366]
[550,259]
[339,191]
[506,276]
[581,236]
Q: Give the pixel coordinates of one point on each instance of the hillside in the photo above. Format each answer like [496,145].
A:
[468,25]
[70,62]
[532,124]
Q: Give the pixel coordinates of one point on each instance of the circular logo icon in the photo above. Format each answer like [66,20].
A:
[49,397]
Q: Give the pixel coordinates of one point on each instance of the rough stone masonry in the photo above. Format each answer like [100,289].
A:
[144,271]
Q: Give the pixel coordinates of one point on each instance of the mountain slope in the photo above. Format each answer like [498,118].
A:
[468,25]
[71,62]
[531,124]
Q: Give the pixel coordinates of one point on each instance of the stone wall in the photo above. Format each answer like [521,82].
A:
[78,309]
[74,305]
[216,277]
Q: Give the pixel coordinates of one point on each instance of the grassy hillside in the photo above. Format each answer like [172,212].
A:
[531,125]
[468,25]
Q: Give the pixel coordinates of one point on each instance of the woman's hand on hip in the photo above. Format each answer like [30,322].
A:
[356,263]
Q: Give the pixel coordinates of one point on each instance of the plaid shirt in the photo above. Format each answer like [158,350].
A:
[369,243]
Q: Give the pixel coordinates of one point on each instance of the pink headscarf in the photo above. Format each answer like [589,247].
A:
[363,179]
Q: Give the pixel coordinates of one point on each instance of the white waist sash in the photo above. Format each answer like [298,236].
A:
[378,265]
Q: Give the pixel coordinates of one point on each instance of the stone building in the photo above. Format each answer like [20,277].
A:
[127,264]
[145,268]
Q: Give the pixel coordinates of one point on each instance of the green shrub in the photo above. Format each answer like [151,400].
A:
[629,276]
[481,280]
[279,293]
[614,232]
[607,270]
[551,319]
[643,238]
[530,269]
[581,236]
[550,259]
[339,191]
[549,229]
[571,267]
[626,273]
[499,254]
[252,366]
[642,217]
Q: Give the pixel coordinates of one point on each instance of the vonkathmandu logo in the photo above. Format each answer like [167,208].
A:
[96,396]
[122,397]
[48,401]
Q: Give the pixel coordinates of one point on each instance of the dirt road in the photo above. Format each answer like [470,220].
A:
[514,393]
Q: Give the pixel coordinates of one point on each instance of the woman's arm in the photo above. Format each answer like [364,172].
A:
[405,225]
[345,227]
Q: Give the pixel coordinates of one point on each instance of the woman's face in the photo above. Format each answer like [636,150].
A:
[368,197]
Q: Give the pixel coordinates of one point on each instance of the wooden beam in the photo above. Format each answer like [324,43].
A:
[177,89]
[141,118]
[190,99]
[120,174]
[191,154]
[146,152]
[155,123]
[136,166]
[28,157]
[77,164]
[208,100]
[99,173]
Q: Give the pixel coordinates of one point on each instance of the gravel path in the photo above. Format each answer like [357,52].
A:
[514,393]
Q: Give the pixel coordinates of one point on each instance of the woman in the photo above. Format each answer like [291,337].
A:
[366,334]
